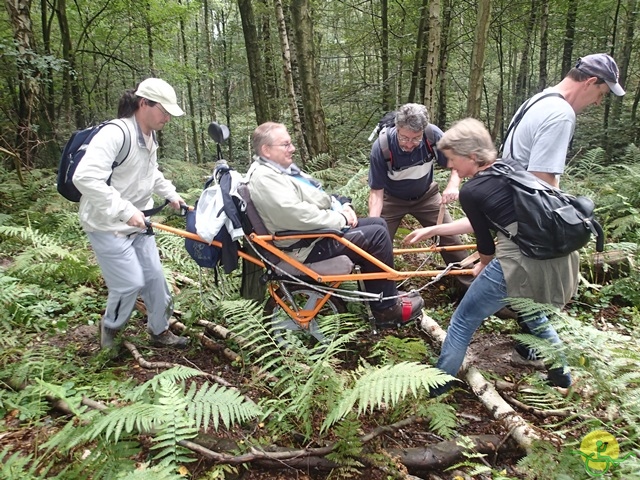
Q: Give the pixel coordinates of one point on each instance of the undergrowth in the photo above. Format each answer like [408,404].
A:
[50,286]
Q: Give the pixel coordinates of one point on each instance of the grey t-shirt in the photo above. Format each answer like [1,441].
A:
[541,139]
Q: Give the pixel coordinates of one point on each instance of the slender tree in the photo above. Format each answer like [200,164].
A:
[256,71]
[443,62]
[288,78]
[387,99]
[522,80]
[477,58]
[29,88]
[569,36]
[190,101]
[544,44]
[417,64]
[433,53]
[302,26]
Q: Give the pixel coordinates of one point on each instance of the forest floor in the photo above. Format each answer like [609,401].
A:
[490,352]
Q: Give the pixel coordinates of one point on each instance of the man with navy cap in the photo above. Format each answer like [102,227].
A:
[541,139]
[542,128]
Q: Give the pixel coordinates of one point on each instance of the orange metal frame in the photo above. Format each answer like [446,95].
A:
[304,317]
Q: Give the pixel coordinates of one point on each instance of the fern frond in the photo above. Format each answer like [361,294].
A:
[175,425]
[18,466]
[388,385]
[218,403]
[179,373]
[162,471]
[443,418]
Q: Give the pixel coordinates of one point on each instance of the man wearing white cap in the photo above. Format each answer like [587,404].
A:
[116,198]
[542,128]
[541,139]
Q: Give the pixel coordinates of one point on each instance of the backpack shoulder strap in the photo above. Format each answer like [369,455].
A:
[430,138]
[125,150]
[518,118]
[383,138]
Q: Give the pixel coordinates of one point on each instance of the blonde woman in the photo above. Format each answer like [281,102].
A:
[503,271]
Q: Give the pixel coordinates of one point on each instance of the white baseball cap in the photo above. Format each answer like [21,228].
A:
[157,90]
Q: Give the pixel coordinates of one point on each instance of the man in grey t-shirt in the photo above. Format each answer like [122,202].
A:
[541,139]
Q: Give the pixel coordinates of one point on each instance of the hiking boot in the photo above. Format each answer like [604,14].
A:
[407,308]
[107,336]
[558,378]
[168,339]
[526,357]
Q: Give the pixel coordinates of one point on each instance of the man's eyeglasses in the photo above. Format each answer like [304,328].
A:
[286,146]
[413,140]
[161,108]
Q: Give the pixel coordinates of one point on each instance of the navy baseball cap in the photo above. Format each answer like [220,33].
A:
[604,67]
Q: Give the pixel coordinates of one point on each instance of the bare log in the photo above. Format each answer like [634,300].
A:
[522,432]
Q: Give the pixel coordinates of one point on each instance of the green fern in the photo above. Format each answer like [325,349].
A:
[162,406]
[218,403]
[443,418]
[17,466]
[386,385]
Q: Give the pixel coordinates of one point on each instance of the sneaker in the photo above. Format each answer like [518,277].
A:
[558,378]
[526,360]
[407,308]
[168,339]
[107,336]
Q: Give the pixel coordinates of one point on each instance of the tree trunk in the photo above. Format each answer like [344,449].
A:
[387,100]
[29,89]
[270,76]
[544,44]
[302,27]
[624,60]
[70,79]
[192,110]
[474,101]
[417,64]
[522,81]
[256,74]
[209,86]
[288,78]
[569,36]
[433,52]
[443,64]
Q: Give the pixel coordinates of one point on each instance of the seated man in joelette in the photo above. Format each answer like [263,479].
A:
[288,199]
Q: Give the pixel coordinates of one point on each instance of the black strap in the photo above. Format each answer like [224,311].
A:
[154,210]
[518,118]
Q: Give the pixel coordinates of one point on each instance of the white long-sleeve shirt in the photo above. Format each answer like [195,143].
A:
[105,207]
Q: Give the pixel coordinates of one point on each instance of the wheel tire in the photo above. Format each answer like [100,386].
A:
[286,331]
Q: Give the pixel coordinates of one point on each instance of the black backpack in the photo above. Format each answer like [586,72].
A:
[551,223]
[74,151]
[389,120]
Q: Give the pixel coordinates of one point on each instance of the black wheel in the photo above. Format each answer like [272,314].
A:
[286,330]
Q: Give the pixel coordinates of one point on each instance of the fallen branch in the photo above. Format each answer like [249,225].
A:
[437,456]
[137,356]
[522,432]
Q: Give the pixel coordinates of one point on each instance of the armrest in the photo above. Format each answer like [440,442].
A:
[323,231]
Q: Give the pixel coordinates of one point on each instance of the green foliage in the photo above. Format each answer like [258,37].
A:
[443,418]
[385,385]
[393,349]
[17,466]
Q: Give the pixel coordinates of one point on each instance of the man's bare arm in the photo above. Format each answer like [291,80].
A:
[375,202]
